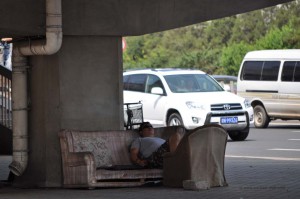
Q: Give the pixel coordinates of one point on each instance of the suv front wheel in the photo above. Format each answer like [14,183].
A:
[238,135]
[175,120]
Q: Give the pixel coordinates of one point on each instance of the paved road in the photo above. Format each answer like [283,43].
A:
[4,162]
[266,165]
[278,142]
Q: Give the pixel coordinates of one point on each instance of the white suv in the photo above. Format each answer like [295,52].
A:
[190,98]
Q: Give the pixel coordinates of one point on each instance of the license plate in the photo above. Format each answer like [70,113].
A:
[229,120]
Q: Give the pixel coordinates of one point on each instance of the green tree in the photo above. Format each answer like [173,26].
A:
[232,57]
[275,39]
[217,33]
[134,52]
[248,27]
[218,46]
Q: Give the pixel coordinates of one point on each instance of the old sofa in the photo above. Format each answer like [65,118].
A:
[88,158]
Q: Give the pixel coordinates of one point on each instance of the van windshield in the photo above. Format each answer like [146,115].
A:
[189,83]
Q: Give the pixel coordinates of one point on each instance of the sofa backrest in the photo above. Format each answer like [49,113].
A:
[166,132]
[108,147]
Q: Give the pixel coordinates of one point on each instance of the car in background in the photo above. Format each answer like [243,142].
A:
[229,83]
[190,98]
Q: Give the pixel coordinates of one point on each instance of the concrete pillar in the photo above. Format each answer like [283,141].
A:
[80,88]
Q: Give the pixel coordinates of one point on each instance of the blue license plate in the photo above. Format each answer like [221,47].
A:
[229,120]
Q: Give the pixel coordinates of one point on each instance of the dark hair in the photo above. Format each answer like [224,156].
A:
[145,125]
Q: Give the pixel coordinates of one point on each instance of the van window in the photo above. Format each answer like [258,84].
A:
[291,71]
[270,71]
[260,70]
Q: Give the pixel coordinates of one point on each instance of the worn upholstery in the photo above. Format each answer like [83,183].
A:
[199,157]
[87,155]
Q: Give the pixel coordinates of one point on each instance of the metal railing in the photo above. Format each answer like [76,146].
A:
[5,97]
[133,115]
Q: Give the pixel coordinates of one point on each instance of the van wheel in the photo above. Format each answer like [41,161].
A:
[238,135]
[175,120]
[261,119]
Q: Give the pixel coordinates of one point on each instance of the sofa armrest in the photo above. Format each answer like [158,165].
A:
[199,157]
[79,169]
[75,159]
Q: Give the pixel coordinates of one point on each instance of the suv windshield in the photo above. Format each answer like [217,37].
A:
[188,83]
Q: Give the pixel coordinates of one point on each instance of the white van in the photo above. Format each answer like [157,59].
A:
[270,79]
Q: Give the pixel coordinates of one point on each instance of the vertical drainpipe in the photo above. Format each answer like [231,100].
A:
[19,116]
[49,46]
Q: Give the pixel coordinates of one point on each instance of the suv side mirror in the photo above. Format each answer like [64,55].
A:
[157,90]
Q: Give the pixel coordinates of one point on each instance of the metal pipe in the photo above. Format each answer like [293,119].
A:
[49,46]
[53,33]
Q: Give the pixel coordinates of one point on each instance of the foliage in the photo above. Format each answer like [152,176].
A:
[218,46]
[232,56]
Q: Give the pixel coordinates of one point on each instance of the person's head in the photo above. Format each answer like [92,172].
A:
[146,129]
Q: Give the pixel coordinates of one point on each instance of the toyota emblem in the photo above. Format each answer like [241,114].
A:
[226,107]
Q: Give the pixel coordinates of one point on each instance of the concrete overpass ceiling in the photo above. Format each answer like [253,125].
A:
[119,17]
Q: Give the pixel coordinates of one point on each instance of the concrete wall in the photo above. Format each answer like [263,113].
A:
[72,89]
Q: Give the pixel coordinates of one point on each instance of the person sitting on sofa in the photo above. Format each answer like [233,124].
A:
[147,150]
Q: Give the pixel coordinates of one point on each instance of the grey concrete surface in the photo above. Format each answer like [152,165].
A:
[247,178]
[114,17]
[5,160]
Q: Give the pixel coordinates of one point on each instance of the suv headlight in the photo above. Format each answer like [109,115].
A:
[247,103]
[195,105]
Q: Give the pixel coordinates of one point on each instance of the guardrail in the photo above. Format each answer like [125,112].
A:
[5,97]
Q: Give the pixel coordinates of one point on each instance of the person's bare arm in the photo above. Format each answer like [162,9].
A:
[135,159]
